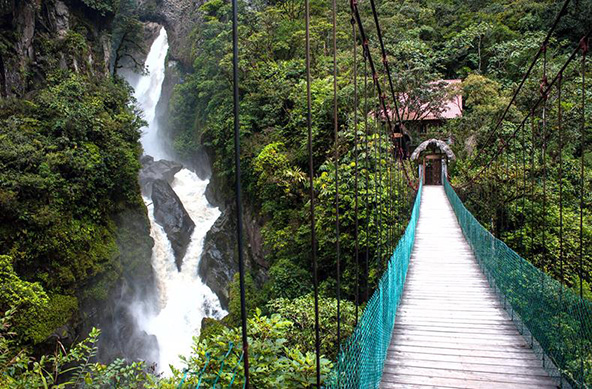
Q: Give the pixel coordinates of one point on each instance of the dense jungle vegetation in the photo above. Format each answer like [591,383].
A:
[69,161]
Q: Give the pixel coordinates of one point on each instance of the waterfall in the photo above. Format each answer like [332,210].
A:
[147,92]
[184,299]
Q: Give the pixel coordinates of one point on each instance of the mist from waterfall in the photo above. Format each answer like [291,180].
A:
[184,300]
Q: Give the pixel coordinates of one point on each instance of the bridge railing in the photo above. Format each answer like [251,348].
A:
[362,356]
[555,321]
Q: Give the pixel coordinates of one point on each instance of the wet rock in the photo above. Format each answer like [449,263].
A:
[218,265]
[121,334]
[216,195]
[156,170]
[146,159]
[170,213]
[202,164]
[178,17]
[62,19]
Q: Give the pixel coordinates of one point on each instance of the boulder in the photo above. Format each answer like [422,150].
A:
[218,261]
[156,170]
[172,216]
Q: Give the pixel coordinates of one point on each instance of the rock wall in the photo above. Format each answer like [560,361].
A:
[121,336]
[36,39]
[41,33]
[178,17]
[219,261]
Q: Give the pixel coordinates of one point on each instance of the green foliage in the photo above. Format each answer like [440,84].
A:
[252,295]
[56,313]
[63,369]
[274,362]
[69,161]
[26,298]
[300,311]
[288,280]
[103,7]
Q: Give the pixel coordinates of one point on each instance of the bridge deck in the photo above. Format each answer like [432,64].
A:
[451,330]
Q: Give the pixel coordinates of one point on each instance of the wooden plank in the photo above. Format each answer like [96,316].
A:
[527,360]
[451,329]
[453,344]
[470,367]
[394,381]
[467,330]
[467,374]
[410,358]
[458,326]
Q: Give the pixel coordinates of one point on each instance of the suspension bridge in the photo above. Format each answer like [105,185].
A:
[455,306]
[451,330]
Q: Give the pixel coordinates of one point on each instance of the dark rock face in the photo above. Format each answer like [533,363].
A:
[218,265]
[130,65]
[219,258]
[215,193]
[253,224]
[178,17]
[202,164]
[121,336]
[156,170]
[26,62]
[172,216]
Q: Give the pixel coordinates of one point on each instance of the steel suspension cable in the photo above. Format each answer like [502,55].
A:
[584,48]
[538,102]
[380,189]
[375,138]
[312,195]
[238,188]
[356,178]
[391,213]
[367,200]
[388,70]
[532,188]
[560,173]
[545,96]
[336,156]
[528,71]
[365,44]
[524,190]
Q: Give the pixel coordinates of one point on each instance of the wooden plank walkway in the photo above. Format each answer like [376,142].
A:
[451,331]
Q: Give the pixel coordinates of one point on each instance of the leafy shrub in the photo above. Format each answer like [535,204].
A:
[64,369]
[300,312]
[273,362]
[69,158]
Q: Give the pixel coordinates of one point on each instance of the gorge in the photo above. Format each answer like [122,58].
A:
[183,299]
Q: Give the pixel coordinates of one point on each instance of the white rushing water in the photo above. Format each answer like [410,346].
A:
[147,92]
[183,297]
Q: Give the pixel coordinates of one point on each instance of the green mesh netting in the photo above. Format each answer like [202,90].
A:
[362,356]
[554,319]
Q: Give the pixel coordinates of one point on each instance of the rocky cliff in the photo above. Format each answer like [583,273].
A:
[178,17]
[37,37]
